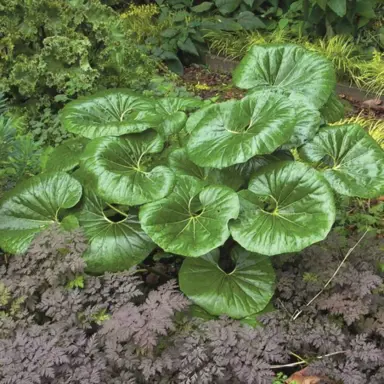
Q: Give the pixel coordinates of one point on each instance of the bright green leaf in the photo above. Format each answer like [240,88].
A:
[233,132]
[33,206]
[351,161]
[333,110]
[181,165]
[243,292]
[116,239]
[123,170]
[66,156]
[107,113]
[287,207]
[252,165]
[69,223]
[287,67]
[168,115]
[193,219]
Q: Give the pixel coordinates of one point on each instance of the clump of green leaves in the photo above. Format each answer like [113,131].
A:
[215,183]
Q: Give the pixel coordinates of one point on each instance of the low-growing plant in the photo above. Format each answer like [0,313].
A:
[216,184]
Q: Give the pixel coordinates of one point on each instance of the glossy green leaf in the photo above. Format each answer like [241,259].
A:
[233,132]
[307,123]
[287,67]
[243,292]
[252,165]
[193,219]
[108,113]
[181,165]
[66,156]
[123,169]
[116,240]
[351,161]
[307,117]
[333,110]
[168,115]
[287,207]
[33,206]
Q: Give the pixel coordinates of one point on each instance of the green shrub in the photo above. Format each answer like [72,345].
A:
[53,51]
[218,186]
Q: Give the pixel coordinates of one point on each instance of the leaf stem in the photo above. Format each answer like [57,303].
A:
[117,210]
[298,313]
[302,361]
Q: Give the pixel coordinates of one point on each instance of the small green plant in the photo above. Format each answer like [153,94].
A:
[215,184]
[282,378]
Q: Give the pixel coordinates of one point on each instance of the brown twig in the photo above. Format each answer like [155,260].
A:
[299,312]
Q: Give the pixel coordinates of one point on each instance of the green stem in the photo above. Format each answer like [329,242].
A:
[117,210]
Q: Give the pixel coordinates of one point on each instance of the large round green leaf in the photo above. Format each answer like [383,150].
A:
[243,292]
[288,67]
[181,165]
[234,131]
[193,219]
[307,117]
[123,170]
[352,162]
[66,156]
[34,205]
[287,207]
[116,240]
[108,113]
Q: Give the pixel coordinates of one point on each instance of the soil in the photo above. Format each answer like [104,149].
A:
[219,87]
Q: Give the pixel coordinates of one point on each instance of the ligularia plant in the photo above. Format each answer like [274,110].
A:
[215,183]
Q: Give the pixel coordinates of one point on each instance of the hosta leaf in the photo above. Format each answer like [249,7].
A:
[234,131]
[66,156]
[33,206]
[181,165]
[288,67]
[193,219]
[168,114]
[114,244]
[203,7]
[123,170]
[107,113]
[243,292]
[227,6]
[287,207]
[352,162]
[338,6]
[333,110]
